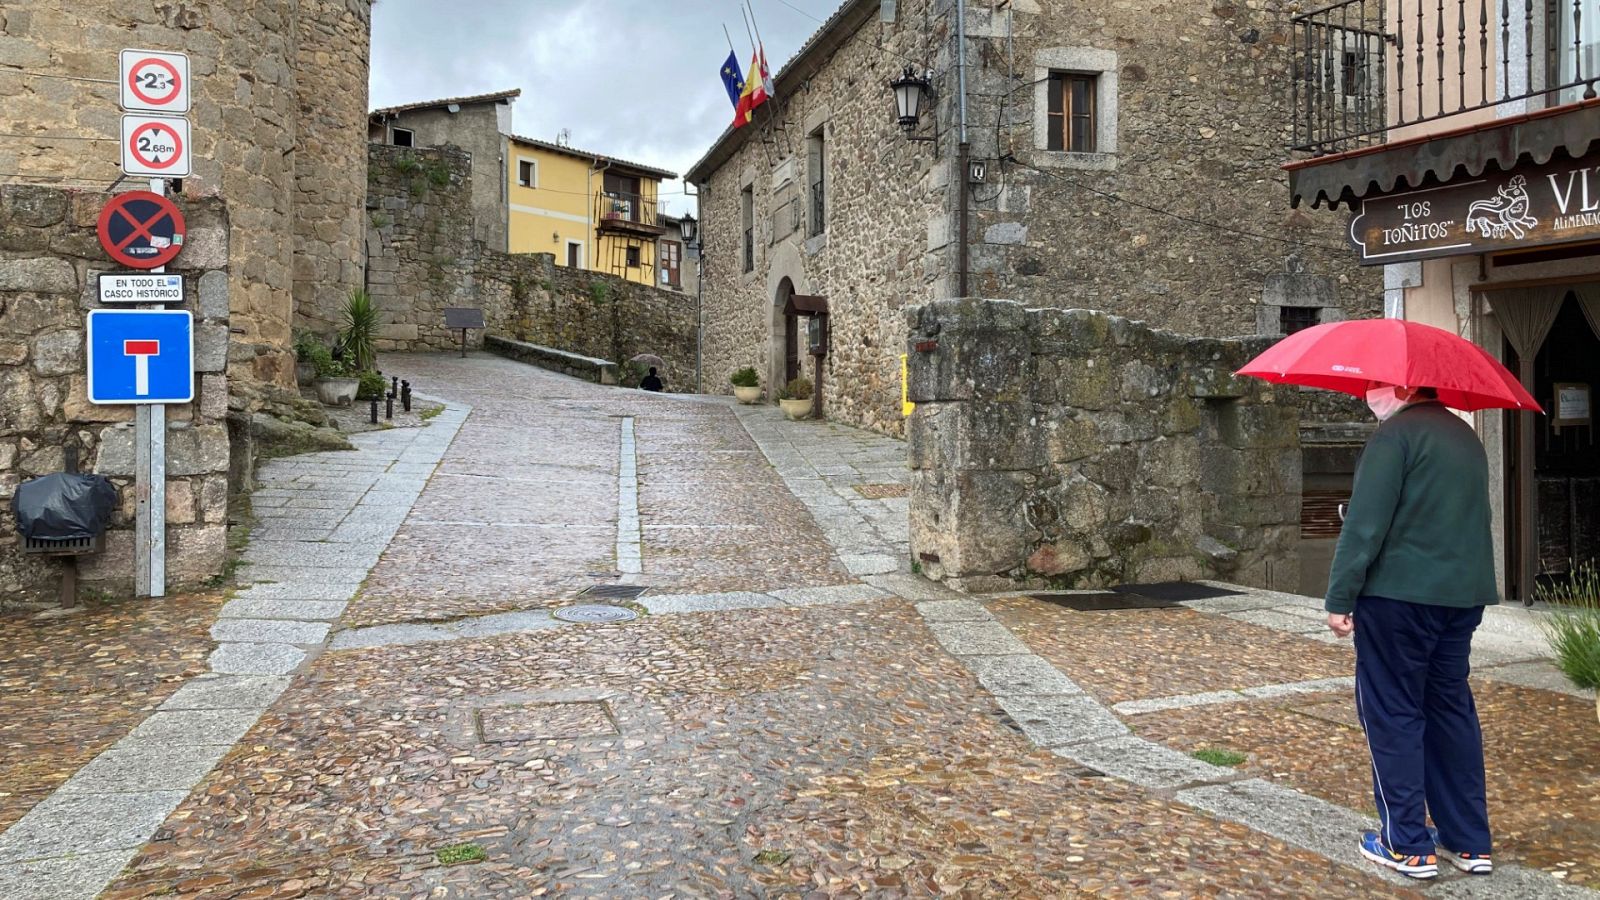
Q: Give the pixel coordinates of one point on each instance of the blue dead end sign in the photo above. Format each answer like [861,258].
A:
[141,229]
[141,356]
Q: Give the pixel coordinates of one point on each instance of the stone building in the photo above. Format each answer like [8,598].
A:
[279,94]
[479,125]
[278,91]
[1125,158]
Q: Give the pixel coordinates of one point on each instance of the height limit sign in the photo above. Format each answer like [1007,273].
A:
[154,82]
[157,146]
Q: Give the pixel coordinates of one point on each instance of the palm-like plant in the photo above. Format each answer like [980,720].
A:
[359,337]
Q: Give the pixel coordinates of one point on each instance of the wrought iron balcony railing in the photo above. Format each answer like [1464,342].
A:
[627,212]
[1365,68]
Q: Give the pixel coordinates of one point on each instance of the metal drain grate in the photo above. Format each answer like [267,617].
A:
[1104,602]
[595,612]
[613,591]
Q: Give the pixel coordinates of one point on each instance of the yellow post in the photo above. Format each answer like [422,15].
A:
[906,406]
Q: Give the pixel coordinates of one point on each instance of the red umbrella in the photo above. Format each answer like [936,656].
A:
[1350,356]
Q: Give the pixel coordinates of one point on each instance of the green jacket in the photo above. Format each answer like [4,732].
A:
[1417,528]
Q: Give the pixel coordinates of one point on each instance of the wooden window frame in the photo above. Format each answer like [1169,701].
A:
[394,136]
[1063,113]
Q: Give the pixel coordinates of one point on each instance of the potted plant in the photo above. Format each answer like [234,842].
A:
[796,399]
[746,385]
[305,367]
[336,382]
[1573,628]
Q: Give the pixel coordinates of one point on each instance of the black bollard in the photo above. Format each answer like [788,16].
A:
[405,395]
[394,385]
[374,410]
[388,407]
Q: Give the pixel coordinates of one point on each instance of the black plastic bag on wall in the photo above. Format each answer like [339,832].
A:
[64,506]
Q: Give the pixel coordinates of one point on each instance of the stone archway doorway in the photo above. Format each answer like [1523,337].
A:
[786,367]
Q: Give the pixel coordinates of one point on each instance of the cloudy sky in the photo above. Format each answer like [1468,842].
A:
[635,79]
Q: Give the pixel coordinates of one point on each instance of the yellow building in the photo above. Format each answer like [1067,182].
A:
[593,212]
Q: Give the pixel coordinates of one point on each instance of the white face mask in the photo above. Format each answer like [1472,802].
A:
[1383,402]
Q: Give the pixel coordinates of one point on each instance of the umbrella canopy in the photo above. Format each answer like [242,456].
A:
[649,359]
[1350,356]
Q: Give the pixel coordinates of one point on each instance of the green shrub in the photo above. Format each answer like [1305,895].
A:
[360,334]
[407,165]
[1574,635]
[745,377]
[373,387]
[798,389]
[321,359]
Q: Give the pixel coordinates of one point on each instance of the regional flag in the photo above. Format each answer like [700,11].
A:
[732,80]
[754,93]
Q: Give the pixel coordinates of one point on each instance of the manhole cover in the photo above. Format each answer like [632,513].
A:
[545,721]
[881,491]
[595,612]
[613,591]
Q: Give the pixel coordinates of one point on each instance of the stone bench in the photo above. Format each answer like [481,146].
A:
[577,365]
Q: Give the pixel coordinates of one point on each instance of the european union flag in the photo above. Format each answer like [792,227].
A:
[732,79]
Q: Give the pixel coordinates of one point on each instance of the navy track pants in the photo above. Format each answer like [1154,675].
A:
[1422,725]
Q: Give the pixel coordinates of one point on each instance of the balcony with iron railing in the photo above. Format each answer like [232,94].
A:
[634,214]
[1370,72]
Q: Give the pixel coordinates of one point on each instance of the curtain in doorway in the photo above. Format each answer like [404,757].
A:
[1526,314]
[1589,301]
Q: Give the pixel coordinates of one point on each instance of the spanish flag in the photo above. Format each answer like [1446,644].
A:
[755,89]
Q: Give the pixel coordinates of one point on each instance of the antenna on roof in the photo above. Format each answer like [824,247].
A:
[564,137]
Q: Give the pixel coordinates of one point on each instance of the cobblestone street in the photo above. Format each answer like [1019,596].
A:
[791,711]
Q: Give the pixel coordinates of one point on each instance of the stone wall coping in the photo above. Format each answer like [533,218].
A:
[599,370]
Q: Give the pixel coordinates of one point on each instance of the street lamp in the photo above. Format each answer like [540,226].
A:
[689,227]
[909,90]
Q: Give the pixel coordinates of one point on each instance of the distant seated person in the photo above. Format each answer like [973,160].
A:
[650,382]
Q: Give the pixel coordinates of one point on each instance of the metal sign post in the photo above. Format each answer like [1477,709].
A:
[157,146]
[150,464]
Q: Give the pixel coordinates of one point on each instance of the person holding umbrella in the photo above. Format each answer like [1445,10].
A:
[1412,572]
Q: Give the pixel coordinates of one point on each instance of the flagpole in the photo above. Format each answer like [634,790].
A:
[757,27]
[730,39]
[761,57]
[747,32]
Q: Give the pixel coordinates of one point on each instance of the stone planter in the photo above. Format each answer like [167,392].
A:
[304,373]
[796,409]
[337,391]
[747,395]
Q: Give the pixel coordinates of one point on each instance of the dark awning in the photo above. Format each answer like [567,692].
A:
[1405,165]
[803,305]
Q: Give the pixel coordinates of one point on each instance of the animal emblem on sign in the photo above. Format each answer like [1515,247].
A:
[1505,213]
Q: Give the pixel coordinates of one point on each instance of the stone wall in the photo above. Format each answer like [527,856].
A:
[49,257]
[1073,449]
[423,258]
[279,93]
[479,130]
[1194,94]
[330,158]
